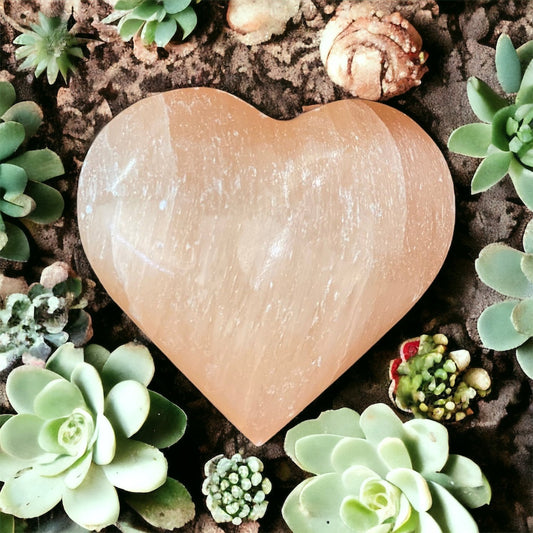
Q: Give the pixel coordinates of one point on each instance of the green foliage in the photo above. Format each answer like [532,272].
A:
[157,20]
[23,195]
[433,383]
[48,46]
[389,478]
[504,139]
[235,488]
[76,439]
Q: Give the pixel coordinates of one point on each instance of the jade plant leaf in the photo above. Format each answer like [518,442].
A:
[40,165]
[496,328]
[490,171]
[471,139]
[508,66]
[483,100]
[524,355]
[29,114]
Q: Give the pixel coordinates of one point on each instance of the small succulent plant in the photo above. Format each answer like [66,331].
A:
[504,138]
[23,195]
[86,426]
[432,383]
[49,46]
[157,21]
[235,488]
[46,316]
[374,474]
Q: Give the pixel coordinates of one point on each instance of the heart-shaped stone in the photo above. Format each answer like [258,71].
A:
[264,257]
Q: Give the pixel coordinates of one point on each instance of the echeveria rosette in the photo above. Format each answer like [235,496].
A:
[23,195]
[504,138]
[86,426]
[157,21]
[375,474]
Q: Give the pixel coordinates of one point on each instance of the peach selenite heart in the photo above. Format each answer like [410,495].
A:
[264,257]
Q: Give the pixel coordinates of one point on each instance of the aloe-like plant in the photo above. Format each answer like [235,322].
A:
[49,46]
[86,425]
[235,488]
[431,382]
[374,474]
[23,195]
[504,138]
[157,21]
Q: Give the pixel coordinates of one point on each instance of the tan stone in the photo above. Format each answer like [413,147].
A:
[264,257]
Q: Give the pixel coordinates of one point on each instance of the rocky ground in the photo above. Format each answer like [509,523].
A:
[279,77]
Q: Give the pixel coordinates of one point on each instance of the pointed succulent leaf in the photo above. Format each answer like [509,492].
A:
[413,485]
[174,6]
[58,399]
[379,421]
[65,359]
[11,137]
[7,96]
[94,504]
[86,377]
[165,424]
[17,247]
[525,54]
[49,203]
[23,385]
[313,453]
[129,361]
[499,267]
[19,436]
[39,165]
[500,125]
[427,442]
[522,317]
[164,31]
[105,445]
[490,171]
[483,100]
[527,239]
[394,453]
[526,264]
[471,139]
[525,93]
[351,451]
[496,328]
[168,507]
[29,114]
[357,516]
[524,356]
[148,32]
[523,182]
[187,20]
[508,66]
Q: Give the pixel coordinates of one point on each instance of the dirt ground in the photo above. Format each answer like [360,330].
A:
[279,77]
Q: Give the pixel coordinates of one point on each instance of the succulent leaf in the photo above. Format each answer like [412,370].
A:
[351,452]
[522,317]
[307,456]
[187,20]
[394,453]
[39,165]
[471,139]
[525,93]
[427,442]
[7,96]
[48,203]
[12,135]
[508,66]
[524,355]
[496,328]
[483,100]
[129,361]
[17,247]
[413,485]
[29,114]
[525,54]
[25,384]
[174,6]
[523,182]
[45,404]
[527,238]
[164,31]
[490,171]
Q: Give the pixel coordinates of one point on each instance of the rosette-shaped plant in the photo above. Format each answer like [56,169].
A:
[430,382]
[374,474]
[49,46]
[504,138]
[23,195]
[235,488]
[157,21]
[87,426]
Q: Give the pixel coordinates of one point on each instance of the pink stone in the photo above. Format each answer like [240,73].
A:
[264,257]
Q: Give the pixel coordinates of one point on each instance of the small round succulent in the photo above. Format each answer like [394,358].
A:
[23,195]
[157,21]
[374,474]
[431,382]
[49,46]
[235,488]
[86,426]
[504,138]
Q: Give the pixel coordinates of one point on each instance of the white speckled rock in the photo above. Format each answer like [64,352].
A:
[264,257]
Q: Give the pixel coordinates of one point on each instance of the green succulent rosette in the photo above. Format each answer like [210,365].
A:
[375,474]
[87,431]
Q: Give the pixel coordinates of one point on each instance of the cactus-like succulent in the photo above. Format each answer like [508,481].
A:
[374,474]
[23,195]
[32,323]
[235,488]
[504,138]
[430,382]
[86,426]
[157,21]
[49,46]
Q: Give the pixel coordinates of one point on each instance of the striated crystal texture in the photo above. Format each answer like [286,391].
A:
[264,257]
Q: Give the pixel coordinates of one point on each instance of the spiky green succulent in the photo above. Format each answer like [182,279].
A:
[49,46]
[504,138]
[157,21]
[86,425]
[431,382]
[235,488]
[373,474]
[23,195]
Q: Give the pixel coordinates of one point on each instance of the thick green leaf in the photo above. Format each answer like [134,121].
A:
[18,207]
[500,125]
[96,355]
[29,114]
[164,31]
[7,96]
[357,516]
[11,137]
[148,32]
[129,361]
[40,165]
[525,54]
[313,452]
[427,442]
[174,6]
[499,267]
[65,359]
[483,100]
[123,5]
[19,436]
[13,181]
[57,399]
[496,329]
[413,485]
[523,182]
[168,507]
[106,443]
[187,20]
[49,203]
[522,317]
[148,10]
[7,522]
[471,139]
[491,170]
[128,27]
[525,93]
[394,453]
[508,66]
[350,452]
[24,383]
[17,247]
[379,421]
[86,377]
[527,239]
[524,356]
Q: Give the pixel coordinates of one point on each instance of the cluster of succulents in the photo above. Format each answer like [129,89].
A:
[431,382]
[374,473]
[47,316]
[87,425]
[23,195]
[235,488]
[504,138]
[49,46]
[156,21]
